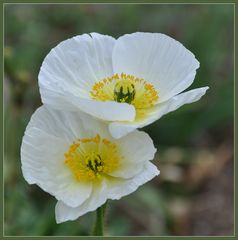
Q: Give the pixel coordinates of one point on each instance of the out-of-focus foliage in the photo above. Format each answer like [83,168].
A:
[195,143]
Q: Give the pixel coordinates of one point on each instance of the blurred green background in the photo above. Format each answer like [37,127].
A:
[194,193]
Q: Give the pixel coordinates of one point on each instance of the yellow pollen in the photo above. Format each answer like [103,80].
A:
[126,88]
[91,158]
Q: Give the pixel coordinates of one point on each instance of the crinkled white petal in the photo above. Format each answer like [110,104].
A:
[157,58]
[136,148]
[112,188]
[73,66]
[120,129]
[53,122]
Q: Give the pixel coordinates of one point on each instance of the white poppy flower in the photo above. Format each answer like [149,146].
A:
[130,82]
[73,157]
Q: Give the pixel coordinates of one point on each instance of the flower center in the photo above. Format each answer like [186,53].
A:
[94,162]
[124,91]
[126,88]
[91,158]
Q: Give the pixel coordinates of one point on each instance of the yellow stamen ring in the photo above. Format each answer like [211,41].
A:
[126,88]
[91,158]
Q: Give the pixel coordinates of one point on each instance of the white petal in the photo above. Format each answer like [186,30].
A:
[73,66]
[53,123]
[157,58]
[57,100]
[119,188]
[120,129]
[109,189]
[98,197]
[136,148]
[107,111]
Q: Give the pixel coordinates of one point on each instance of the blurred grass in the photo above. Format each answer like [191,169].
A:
[207,30]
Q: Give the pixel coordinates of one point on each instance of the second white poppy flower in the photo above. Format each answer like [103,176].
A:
[73,157]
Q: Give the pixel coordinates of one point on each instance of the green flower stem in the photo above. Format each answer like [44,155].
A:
[99,224]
